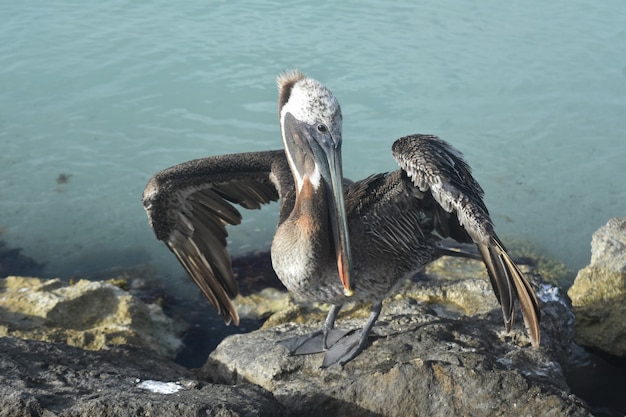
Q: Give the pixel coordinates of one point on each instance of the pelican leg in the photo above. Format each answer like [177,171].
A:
[329,324]
[319,340]
[349,347]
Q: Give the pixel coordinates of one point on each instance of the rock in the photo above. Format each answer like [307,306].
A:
[439,348]
[441,357]
[91,315]
[48,379]
[599,292]
[608,246]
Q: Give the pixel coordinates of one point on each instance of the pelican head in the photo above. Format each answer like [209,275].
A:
[310,122]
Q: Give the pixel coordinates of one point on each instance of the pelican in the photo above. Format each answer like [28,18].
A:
[336,239]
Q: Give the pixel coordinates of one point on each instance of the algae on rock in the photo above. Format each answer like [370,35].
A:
[88,314]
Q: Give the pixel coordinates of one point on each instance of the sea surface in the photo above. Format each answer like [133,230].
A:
[96,96]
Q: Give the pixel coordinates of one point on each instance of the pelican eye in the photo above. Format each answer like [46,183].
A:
[322,128]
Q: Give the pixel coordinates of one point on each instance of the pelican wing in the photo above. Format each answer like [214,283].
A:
[190,204]
[435,167]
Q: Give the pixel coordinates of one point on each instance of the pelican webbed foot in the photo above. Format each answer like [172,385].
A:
[318,341]
[340,345]
[349,347]
[345,349]
[315,342]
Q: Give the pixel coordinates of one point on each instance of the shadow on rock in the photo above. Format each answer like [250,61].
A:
[43,379]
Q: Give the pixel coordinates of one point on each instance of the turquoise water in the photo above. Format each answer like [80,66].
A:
[104,94]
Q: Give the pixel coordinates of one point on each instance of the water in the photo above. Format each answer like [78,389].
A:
[97,96]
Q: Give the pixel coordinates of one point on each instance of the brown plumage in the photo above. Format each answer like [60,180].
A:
[333,237]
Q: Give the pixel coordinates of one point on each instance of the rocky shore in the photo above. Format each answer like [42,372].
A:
[439,348]
[599,292]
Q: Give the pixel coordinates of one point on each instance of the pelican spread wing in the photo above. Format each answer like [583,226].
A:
[190,204]
[435,167]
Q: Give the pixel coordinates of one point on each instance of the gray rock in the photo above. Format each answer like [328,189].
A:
[599,292]
[423,360]
[48,379]
[608,246]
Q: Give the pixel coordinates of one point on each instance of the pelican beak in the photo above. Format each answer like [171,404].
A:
[332,173]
